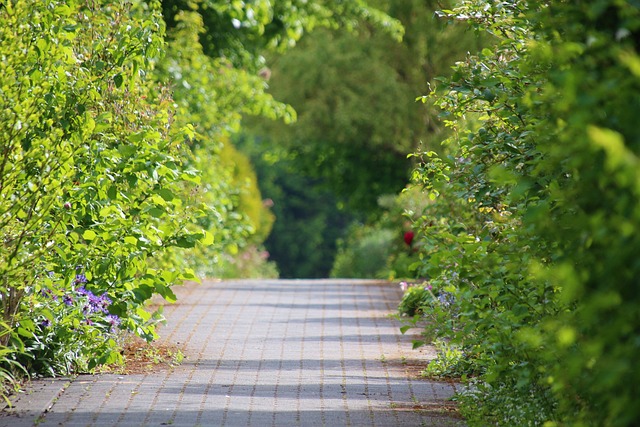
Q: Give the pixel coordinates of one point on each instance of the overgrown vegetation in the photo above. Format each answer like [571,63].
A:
[119,179]
[533,228]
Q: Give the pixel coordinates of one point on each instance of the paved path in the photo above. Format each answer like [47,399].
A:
[262,353]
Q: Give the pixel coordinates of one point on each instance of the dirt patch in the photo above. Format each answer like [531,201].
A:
[441,408]
[413,368]
[441,413]
[142,357]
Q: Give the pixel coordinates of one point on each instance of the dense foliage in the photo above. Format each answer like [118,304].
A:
[210,98]
[308,225]
[93,181]
[531,241]
[243,31]
[354,94]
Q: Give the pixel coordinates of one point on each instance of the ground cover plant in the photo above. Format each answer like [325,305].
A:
[533,225]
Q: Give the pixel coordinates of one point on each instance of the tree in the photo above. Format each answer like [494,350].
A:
[243,32]
[354,94]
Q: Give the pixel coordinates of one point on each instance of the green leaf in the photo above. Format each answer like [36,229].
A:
[28,324]
[166,194]
[118,79]
[168,295]
[612,142]
[89,235]
[186,242]
[42,45]
[131,240]
[156,212]
[24,332]
[189,274]
[207,239]
[112,192]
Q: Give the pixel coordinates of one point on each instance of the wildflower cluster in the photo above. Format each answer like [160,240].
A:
[418,297]
[67,327]
[94,309]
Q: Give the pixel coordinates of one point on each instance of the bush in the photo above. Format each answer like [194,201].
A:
[415,300]
[451,362]
[535,198]
[385,248]
[68,331]
[93,179]
[365,255]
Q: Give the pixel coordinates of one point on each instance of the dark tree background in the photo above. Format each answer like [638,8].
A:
[354,94]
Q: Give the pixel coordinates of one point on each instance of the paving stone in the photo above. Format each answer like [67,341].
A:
[262,353]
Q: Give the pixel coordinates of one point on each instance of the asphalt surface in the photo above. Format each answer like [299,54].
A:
[260,353]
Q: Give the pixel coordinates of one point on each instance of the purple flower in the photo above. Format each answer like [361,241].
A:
[105,301]
[80,278]
[446,299]
[45,323]
[96,303]
[113,320]
[67,299]
[48,293]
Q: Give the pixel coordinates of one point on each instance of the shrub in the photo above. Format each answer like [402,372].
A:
[535,199]
[415,300]
[365,255]
[67,331]
[385,247]
[451,362]
[93,178]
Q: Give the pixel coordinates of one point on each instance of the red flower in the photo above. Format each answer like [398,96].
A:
[408,237]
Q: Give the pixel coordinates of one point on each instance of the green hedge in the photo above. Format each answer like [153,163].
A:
[534,225]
